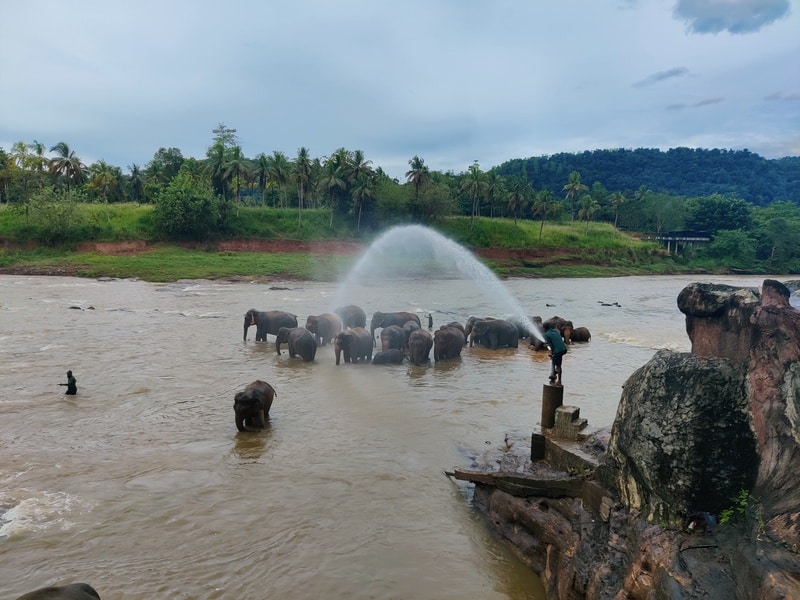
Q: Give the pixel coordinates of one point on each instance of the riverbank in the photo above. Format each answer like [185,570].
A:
[326,260]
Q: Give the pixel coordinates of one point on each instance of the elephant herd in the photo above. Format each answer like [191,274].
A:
[401,334]
[401,338]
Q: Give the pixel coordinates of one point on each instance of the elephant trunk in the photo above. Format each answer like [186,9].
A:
[240,422]
[246,327]
[278,346]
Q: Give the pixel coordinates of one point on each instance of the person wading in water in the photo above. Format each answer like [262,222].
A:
[72,385]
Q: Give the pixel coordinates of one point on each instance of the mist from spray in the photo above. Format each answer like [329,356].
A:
[415,251]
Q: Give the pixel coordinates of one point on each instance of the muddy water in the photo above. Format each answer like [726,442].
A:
[141,485]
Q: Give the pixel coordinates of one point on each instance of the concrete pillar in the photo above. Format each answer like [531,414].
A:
[552,398]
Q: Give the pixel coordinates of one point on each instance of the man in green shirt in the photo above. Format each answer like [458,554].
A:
[558,349]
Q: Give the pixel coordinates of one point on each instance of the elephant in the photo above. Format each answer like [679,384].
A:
[393,336]
[73,591]
[252,406]
[392,356]
[563,326]
[420,343]
[495,333]
[267,322]
[523,329]
[382,319]
[352,316]
[580,334]
[469,333]
[447,343]
[410,327]
[355,343]
[299,340]
[324,327]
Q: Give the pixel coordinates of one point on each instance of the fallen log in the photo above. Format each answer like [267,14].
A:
[522,485]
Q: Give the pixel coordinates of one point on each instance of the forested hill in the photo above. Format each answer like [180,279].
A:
[678,172]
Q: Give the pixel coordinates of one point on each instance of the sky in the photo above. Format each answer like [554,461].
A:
[450,81]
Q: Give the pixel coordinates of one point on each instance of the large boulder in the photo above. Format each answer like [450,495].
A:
[682,442]
[697,436]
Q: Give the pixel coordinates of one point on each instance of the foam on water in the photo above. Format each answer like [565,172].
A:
[418,252]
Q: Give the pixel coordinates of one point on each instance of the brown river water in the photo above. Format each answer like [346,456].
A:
[141,485]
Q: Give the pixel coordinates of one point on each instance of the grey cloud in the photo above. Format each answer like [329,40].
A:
[734,16]
[698,104]
[787,96]
[661,76]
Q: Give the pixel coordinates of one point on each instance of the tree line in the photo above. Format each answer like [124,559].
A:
[747,203]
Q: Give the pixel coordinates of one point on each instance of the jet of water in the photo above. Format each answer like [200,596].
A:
[416,251]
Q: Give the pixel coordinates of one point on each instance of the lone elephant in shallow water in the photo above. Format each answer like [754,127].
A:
[324,327]
[73,591]
[298,340]
[252,405]
[267,322]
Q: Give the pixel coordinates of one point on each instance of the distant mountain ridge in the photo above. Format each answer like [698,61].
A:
[678,172]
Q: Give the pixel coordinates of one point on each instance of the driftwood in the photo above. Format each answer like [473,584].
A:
[522,485]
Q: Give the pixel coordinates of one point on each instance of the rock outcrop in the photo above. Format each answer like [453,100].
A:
[696,494]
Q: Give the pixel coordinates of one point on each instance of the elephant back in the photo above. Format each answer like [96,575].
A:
[351,316]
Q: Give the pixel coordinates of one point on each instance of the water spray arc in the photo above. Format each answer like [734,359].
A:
[417,251]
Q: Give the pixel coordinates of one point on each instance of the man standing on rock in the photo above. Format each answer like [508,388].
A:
[558,349]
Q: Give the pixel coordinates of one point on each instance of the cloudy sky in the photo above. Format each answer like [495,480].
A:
[452,81]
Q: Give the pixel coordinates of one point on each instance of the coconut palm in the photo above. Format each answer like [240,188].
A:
[617,199]
[234,169]
[474,184]
[517,197]
[215,168]
[301,174]
[574,189]
[543,204]
[418,176]
[588,207]
[495,189]
[332,182]
[104,179]
[66,164]
[136,182]
[362,192]
[280,173]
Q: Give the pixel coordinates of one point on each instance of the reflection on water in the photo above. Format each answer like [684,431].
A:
[142,486]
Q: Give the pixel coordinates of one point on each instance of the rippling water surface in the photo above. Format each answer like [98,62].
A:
[142,486]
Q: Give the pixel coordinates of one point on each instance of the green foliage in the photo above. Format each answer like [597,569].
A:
[737,508]
[733,247]
[715,213]
[52,216]
[188,208]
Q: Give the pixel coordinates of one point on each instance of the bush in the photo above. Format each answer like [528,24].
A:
[52,216]
[188,208]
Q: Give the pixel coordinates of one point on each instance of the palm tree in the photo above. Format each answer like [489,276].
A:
[574,188]
[517,197]
[215,168]
[495,189]
[302,175]
[542,206]
[66,164]
[103,178]
[617,199]
[588,207]
[136,182]
[418,175]
[261,172]
[332,182]
[474,185]
[234,168]
[363,190]
[280,172]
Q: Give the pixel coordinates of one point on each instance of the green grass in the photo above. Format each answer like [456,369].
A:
[566,249]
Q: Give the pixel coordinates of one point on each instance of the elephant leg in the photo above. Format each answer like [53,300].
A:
[260,420]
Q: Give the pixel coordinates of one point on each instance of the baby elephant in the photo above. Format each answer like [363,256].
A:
[73,591]
[252,405]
